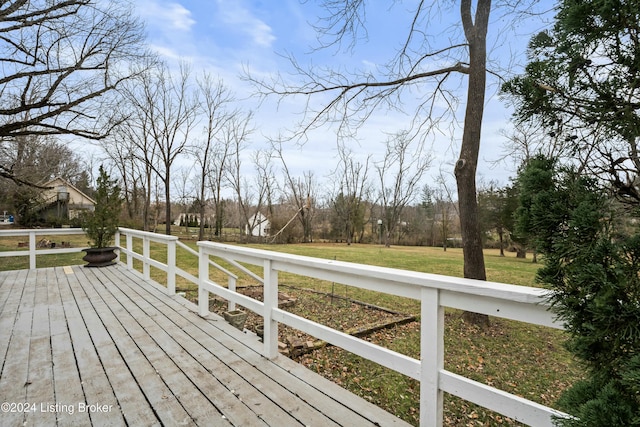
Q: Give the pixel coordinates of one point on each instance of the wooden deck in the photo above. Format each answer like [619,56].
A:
[100,347]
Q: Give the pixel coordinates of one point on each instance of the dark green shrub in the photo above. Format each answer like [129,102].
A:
[101,224]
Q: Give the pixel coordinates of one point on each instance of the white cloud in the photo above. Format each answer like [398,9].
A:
[238,16]
[167,52]
[169,16]
[180,17]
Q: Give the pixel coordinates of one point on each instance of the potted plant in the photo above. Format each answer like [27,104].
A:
[102,223]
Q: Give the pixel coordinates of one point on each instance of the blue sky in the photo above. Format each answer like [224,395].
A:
[225,37]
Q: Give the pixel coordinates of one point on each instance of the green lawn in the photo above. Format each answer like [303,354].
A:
[21,244]
[508,269]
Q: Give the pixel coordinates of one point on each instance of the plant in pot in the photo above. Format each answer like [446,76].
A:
[102,223]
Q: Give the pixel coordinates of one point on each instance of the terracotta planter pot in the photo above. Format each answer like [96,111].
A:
[100,257]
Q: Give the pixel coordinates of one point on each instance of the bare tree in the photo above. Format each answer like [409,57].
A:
[410,74]
[211,152]
[186,193]
[133,141]
[61,62]
[528,139]
[35,160]
[264,186]
[300,192]
[236,136]
[445,207]
[265,179]
[122,149]
[399,174]
[39,158]
[351,192]
[168,111]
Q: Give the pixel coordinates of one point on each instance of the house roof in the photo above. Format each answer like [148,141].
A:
[51,184]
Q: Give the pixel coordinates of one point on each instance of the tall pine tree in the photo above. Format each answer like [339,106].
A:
[593,268]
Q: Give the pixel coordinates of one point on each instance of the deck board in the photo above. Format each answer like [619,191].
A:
[93,378]
[40,373]
[119,376]
[70,337]
[229,368]
[67,385]
[203,362]
[16,364]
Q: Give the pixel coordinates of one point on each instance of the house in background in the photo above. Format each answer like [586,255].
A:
[259,226]
[62,200]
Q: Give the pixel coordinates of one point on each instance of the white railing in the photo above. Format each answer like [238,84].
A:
[32,250]
[170,267]
[435,292]
[525,304]
[146,238]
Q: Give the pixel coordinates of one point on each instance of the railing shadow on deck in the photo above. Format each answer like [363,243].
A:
[435,292]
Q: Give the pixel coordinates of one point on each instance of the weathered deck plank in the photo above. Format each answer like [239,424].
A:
[146,376]
[10,295]
[107,337]
[67,385]
[40,375]
[94,381]
[118,374]
[15,369]
[178,383]
[245,385]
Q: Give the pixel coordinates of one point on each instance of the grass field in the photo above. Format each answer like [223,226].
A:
[519,358]
[21,244]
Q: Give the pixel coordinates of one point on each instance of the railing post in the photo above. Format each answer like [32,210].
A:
[32,250]
[203,275]
[431,358]
[171,267]
[231,283]
[129,251]
[146,254]
[270,349]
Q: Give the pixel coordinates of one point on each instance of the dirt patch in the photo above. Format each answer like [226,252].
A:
[337,312]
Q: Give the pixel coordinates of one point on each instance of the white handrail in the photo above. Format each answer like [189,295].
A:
[147,237]
[522,303]
[32,252]
[525,304]
[170,268]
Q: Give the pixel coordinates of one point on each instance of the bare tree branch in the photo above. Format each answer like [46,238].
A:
[61,62]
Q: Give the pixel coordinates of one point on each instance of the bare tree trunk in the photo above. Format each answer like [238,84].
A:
[465,169]
[201,213]
[167,196]
[146,210]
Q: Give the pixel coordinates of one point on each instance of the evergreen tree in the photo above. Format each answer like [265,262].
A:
[582,84]
[594,272]
[101,224]
[536,184]
[492,204]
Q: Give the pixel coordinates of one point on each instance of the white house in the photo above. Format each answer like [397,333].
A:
[258,226]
